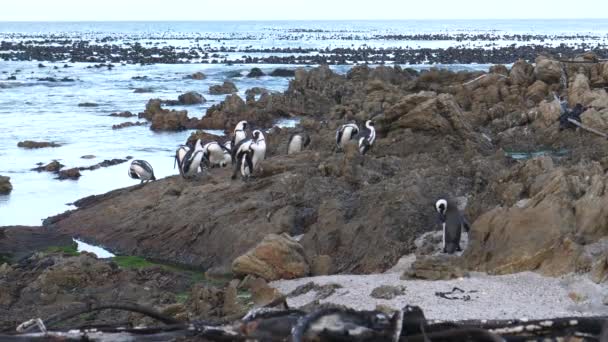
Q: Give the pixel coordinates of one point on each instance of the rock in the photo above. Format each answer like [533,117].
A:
[537,91]
[547,70]
[129,124]
[36,144]
[275,257]
[286,73]
[72,173]
[88,104]
[227,114]
[578,90]
[500,69]
[322,291]
[599,270]
[5,185]
[123,114]
[11,78]
[226,88]
[261,293]
[17,243]
[548,113]
[88,156]
[256,72]
[252,92]
[191,98]
[321,265]
[387,292]
[166,120]
[522,73]
[53,166]
[143,90]
[231,305]
[440,267]
[197,76]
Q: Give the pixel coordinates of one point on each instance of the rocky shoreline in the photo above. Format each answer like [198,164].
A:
[322,213]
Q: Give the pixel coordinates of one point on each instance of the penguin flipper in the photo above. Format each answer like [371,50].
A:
[465,225]
[249,161]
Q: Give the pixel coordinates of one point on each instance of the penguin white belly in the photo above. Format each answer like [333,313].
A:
[216,154]
[259,152]
[348,131]
[443,247]
[140,172]
[238,136]
[227,158]
[195,165]
[295,145]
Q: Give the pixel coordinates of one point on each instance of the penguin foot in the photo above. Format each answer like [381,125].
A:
[458,249]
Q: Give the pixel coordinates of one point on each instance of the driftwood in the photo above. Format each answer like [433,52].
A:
[588,129]
[325,324]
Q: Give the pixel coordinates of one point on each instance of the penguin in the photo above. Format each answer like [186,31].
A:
[227,147]
[249,153]
[191,162]
[366,142]
[239,134]
[180,153]
[215,154]
[345,133]
[297,142]
[452,222]
[142,170]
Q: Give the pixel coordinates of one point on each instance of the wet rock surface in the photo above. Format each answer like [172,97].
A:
[225,88]
[439,133]
[29,144]
[5,185]
[19,242]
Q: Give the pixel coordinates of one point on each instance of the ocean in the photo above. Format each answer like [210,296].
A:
[33,107]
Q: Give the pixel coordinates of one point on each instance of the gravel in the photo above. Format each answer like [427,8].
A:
[522,295]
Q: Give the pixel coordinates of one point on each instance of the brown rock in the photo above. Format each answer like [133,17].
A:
[53,166]
[197,76]
[129,124]
[126,114]
[36,144]
[231,304]
[578,90]
[522,73]
[5,185]
[226,88]
[261,293]
[321,265]
[72,173]
[276,257]
[537,91]
[547,70]
[441,267]
[191,98]
[387,292]
[599,270]
[499,69]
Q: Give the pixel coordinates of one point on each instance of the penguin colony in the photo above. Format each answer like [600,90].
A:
[245,154]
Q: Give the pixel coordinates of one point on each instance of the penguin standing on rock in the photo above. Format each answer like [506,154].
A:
[249,154]
[239,135]
[366,142]
[345,133]
[180,154]
[191,162]
[142,170]
[214,153]
[227,147]
[452,222]
[297,142]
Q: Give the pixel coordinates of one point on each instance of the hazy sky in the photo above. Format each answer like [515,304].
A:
[75,10]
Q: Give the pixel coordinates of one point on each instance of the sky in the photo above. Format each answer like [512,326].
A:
[110,10]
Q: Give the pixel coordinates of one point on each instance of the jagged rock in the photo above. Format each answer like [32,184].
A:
[578,90]
[441,267]
[231,304]
[256,72]
[36,144]
[126,114]
[165,120]
[537,91]
[225,115]
[20,242]
[288,73]
[197,76]
[226,88]
[548,113]
[547,70]
[129,124]
[191,98]
[5,185]
[72,173]
[522,73]
[387,292]
[499,69]
[276,257]
[321,265]
[53,166]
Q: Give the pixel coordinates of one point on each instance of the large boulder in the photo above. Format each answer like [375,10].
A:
[256,72]
[579,90]
[276,257]
[191,98]
[548,70]
[522,73]
[5,185]
[224,115]
[166,120]
[537,91]
[226,88]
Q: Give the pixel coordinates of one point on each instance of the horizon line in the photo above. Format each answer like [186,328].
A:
[279,20]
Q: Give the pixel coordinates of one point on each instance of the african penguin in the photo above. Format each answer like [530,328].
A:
[239,135]
[345,133]
[189,166]
[227,146]
[214,153]
[452,223]
[180,153]
[366,142]
[249,153]
[142,170]
[297,142]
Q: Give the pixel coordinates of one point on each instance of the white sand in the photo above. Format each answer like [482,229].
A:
[522,295]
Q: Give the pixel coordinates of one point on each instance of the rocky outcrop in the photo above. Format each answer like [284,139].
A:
[226,88]
[166,120]
[548,70]
[197,76]
[129,124]
[256,72]
[53,166]
[522,73]
[36,144]
[72,174]
[17,243]
[276,257]
[191,98]
[283,73]
[5,185]
[126,114]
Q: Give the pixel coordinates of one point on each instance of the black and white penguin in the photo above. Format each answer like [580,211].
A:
[452,223]
[142,170]
[214,152]
[297,142]
[227,146]
[345,133]
[180,153]
[249,154]
[239,135]
[191,162]
[366,142]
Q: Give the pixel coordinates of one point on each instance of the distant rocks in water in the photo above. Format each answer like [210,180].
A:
[99,66]
[29,144]
[40,65]
[191,98]
[256,72]
[139,78]
[11,78]
[283,73]
[226,88]
[167,120]
[143,90]
[197,76]
[88,156]
[125,114]
[88,104]
[72,173]
[105,163]
[251,93]
[275,257]
[53,79]
[129,124]
[5,185]
[53,166]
